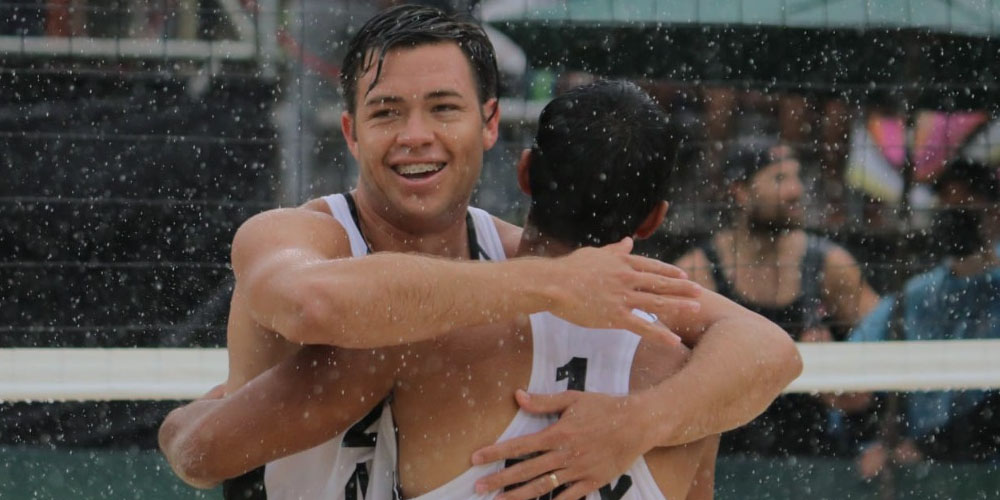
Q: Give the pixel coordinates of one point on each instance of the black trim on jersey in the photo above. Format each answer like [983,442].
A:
[358,436]
[353,208]
[249,486]
[475,252]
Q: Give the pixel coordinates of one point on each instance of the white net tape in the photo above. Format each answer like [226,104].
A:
[153,374]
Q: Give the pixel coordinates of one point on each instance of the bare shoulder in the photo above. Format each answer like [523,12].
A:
[510,235]
[308,228]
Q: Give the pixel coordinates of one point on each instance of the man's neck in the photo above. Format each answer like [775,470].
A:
[534,243]
[755,246]
[443,239]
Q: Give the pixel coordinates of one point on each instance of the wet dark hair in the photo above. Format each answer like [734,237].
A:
[979,177]
[602,159]
[412,26]
[745,157]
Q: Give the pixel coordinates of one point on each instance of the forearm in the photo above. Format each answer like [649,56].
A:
[392,298]
[298,404]
[735,371]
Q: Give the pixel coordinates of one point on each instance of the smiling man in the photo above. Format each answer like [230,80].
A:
[391,262]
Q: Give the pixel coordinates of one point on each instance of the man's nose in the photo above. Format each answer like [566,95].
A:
[795,189]
[416,131]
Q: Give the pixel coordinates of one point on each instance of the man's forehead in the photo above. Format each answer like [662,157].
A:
[779,164]
[437,68]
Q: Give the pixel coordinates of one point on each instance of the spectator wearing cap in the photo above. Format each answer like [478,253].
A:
[766,262]
[957,299]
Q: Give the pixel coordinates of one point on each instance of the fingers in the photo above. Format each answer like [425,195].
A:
[216,392]
[819,334]
[523,472]
[648,265]
[535,488]
[653,330]
[624,246]
[661,285]
[662,305]
[579,489]
[545,403]
[517,447]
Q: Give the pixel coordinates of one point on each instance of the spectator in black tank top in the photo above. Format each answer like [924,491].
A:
[765,261]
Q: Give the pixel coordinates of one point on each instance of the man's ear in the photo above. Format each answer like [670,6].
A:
[652,221]
[491,128]
[523,166]
[350,135]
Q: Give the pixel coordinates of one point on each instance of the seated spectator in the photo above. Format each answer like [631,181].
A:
[957,299]
[765,261]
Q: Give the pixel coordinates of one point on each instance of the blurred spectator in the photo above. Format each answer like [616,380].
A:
[958,299]
[767,263]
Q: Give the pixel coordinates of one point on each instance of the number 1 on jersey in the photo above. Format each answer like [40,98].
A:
[576,372]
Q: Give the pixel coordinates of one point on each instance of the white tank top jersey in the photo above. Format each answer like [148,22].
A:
[345,466]
[567,356]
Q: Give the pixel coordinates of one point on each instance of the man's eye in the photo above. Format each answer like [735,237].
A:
[384,113]
[445,107]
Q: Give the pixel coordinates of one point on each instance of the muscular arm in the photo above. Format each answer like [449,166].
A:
[291,271]
[302,402]
[739,363]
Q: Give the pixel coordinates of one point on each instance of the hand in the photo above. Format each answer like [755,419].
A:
[816,334]
[603,285]
[594,442]
[217,392]
[874,458]
[871,461]
[907,453]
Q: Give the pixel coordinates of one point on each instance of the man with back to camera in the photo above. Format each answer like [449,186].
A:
[575,201]
[957,299]
[766,262]
[423,112]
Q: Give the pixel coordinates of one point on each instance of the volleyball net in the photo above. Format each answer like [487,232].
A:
[103,388]
[79,374]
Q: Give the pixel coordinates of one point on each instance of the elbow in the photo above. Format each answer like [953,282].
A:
[786,361]
[792,362]
[191,461]
[188,455]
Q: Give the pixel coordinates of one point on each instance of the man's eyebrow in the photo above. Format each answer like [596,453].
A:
[383,99]
[394,99]
[439,94]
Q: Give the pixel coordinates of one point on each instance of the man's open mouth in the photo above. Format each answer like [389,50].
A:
[418,170]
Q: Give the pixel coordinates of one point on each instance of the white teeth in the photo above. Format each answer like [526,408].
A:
[418,168]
